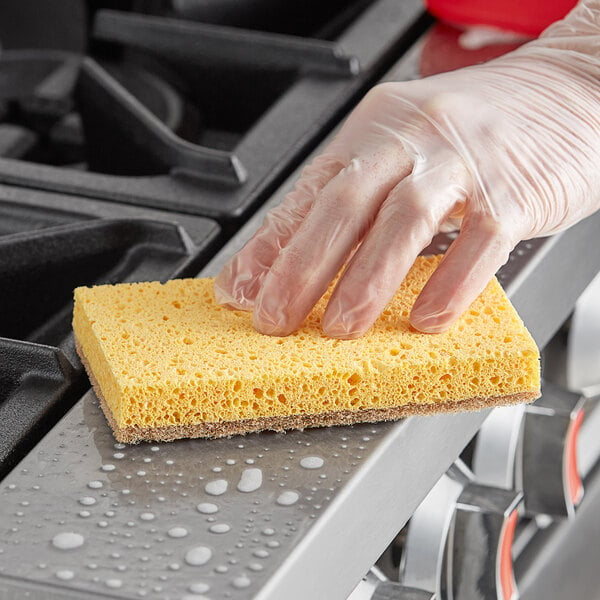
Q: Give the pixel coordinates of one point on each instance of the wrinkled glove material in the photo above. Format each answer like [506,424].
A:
[507,151]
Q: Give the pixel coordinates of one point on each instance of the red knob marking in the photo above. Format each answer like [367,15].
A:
[574,484]
[507,578]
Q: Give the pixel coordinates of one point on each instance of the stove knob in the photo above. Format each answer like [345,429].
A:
[479,563]
[459,540]
[549,475]
[533,448]
[376,586]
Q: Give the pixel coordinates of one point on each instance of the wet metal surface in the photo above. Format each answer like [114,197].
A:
[204,518]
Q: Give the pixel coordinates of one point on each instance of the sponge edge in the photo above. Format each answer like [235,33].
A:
[167,362]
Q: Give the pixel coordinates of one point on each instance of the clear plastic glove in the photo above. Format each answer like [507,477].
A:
[509,150]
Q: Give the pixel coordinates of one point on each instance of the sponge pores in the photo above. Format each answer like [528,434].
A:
[167,362]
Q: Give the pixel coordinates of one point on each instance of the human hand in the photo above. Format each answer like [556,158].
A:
[509,149]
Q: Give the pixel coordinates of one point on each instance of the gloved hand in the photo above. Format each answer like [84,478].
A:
[510,148]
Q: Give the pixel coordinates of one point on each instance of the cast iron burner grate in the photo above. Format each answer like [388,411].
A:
[183,111]
[49,245]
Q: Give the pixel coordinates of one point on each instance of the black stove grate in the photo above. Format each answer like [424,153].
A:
[190,106]
[50,244]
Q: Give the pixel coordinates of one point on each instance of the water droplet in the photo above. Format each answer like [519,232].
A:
[273,544]
[220,528]
[249,461]
[260,553]
[65,574]
[108,467]
[119,446]
[217,469]
[207,508]
[268,531]
[250,481]
[222,569]
[217,487]
[243,581]
[84,513]
[118,455]
[198,555]
[230,461]
[312,462]
[177,532]
[141,473]
[174,566]
[102,523]
[147,516]
[255,567]
[67,540]
[95,485]
[113,583]
[288,498]
[199,587]
[87,501]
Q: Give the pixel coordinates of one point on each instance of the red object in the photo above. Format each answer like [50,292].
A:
[507,578]
[520,16]
[573,479]
[441,51]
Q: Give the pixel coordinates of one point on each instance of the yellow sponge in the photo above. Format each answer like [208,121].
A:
[168,362]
